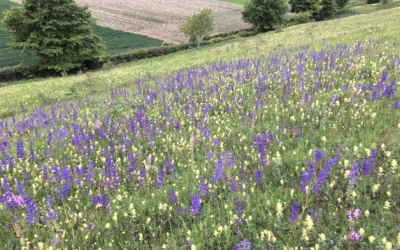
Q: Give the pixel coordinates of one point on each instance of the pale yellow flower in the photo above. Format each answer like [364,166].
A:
[387,205]
[371,239]
[279,209]
[361,231]
[388,246]
[308,222]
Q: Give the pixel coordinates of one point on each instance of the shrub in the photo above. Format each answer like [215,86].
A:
[328,11]
[265,14]
[59,32]
[198,26]
[312,6]
[302,17]
[372,1]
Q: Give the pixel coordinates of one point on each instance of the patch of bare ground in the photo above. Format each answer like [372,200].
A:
[160,19]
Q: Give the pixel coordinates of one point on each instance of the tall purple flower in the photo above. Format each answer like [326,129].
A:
[353,175]
[195,208]
[31,211]
[396,105]
[20,149]
[318,155]
[215,142]
[217,171]
[305,178]
[293,212]
[233,185]
[258,177]
[319,181]
[172,197]
[203,186]
[158,183]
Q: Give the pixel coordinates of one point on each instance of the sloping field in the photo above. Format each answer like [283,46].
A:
[160,19]
[38,91]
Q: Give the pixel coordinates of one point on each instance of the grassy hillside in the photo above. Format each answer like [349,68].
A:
[383,24]
[116,42]
[287,140]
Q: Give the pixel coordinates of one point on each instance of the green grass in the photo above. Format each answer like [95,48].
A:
[116,42]
[242,2]
[364,8]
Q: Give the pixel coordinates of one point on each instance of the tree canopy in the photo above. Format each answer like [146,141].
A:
[198,25]
[265,14]
[59,32]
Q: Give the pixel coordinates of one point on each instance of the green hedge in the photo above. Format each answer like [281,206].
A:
[26,72]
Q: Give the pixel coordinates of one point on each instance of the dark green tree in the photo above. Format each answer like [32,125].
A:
[59,32]
[265,14]
[198,26]
[328,11]
[342,3]
[312,6]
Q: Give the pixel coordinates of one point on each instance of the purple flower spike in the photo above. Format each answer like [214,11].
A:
[195,208]
[258,177]
[293,212]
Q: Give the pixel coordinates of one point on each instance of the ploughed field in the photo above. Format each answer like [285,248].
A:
[160,19]
[298,147]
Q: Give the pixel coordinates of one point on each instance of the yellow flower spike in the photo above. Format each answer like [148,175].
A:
[361,231]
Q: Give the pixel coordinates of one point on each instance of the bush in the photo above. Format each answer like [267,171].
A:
[247,33]
[265,14]
[342,3]
[372,1]
[312,6]
[198,26]
[328,11]
[59,32]
[302,17]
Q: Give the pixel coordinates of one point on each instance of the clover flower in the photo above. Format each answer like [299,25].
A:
[353,236]
[352,215]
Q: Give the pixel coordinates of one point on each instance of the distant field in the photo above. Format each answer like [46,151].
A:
[160,19]
[116,41]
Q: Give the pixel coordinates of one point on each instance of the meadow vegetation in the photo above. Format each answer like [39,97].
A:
[286,139]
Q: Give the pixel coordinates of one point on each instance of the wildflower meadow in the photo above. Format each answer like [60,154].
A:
[297,148]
